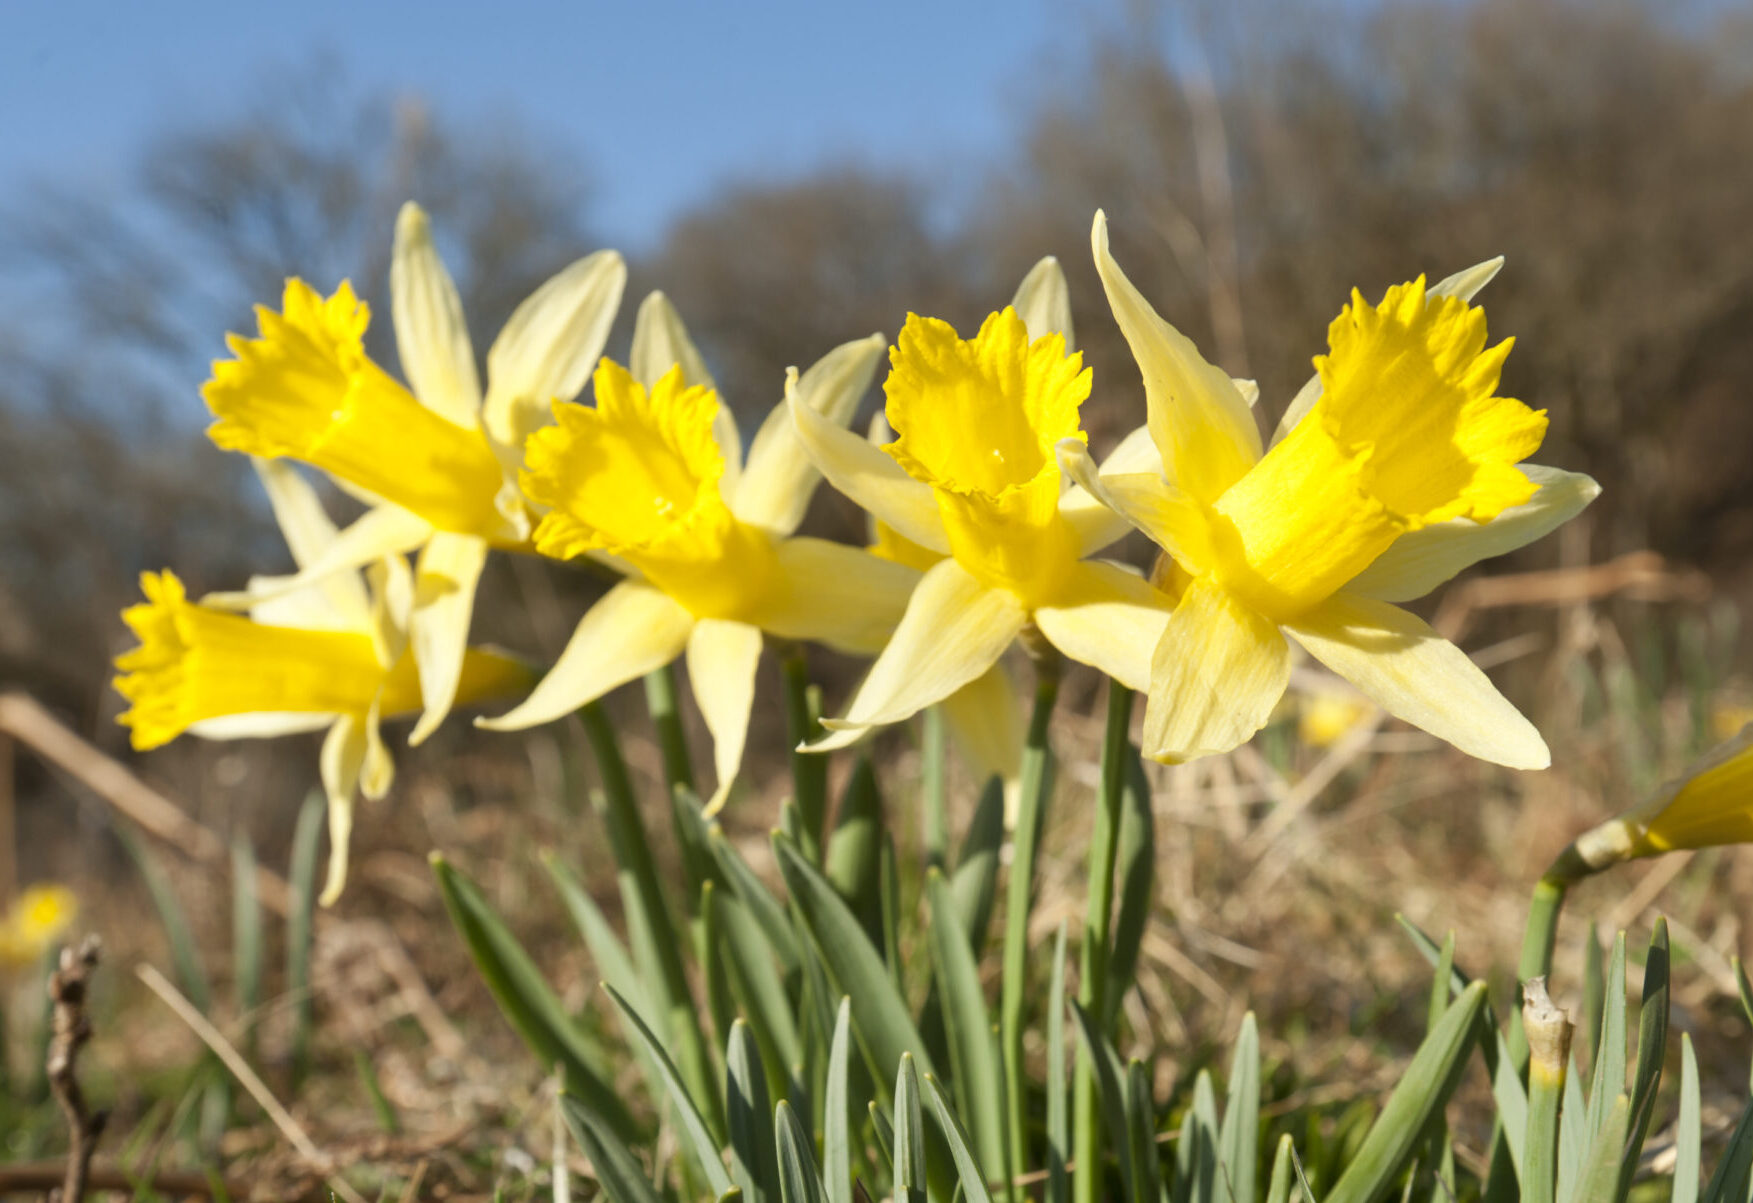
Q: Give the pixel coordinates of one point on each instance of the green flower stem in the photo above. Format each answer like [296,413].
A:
[809,770]
[1093,975]
[663,700]
[666,716]
[1539,939]
[1036,784]
[651,930]
[1548,1033]
[933,766]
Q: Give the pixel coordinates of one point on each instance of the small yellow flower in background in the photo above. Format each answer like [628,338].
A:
[972,478]
[328,654]
[1394,470]
[654,478]
[1323,718]
[34,923]
[1710,804]
[1727,718]
[436,460]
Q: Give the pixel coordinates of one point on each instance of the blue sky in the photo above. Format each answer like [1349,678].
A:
[661,99]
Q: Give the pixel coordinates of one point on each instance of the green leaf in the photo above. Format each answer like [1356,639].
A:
[246,938]
[1238,1142]
[301,876]
[1745,987]
[1689,1136]
[699,1138]
[1110,1086]
[854,859]
[881,1021]
[1600,1179]
[1608,1078]
[910,1185]
[967,1023]
[185,954]
[1137,866]
[1594,988]
[1141,1133]
[1441,988]
[618,1170]
[613,965]
[798,1180]
[762,906]
[1058,1103]
[1729,1183]
[1424,1088]
[750,966]
[720,1004]
[749,1114]
[1573,1136]
[1199,1128]
[523,995]
[1652,1050]
[836,1114]
[883,1129]
[1278,1191]
[975,880]
[967,1167]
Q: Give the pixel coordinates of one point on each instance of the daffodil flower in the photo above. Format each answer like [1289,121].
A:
[436,460]
[654,478]
[972,478]
[983,715]
[1709,805]
[1396,469]
[33,924]
[326,654]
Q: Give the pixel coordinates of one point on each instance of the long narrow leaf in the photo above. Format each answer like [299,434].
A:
[836,1104]
[975,880]
[1608,1078]
[1729,1183]
[799,1182]
[523,995]
[1110,1085]
[967,1024]
[301,876]
[1058,1100]
[1136,866]
[1237,1144]
[967,1167]
[762,906]
[910,1185]
[618,1171]
[1424,1088]
[1141,1133]
[698,1135]
[1689,1135]
[1600,1180]
[749,1114]
[1652,1051]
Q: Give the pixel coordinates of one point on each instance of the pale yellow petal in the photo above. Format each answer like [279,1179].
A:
[444,601]
[954,629]
[378,772]
[1216,675]
[309,532]
[260,725]
[342,759]
[1143,500]
[386,531]
[1110,619]
[834,594]
[1135,453]
[1249,389]
[871,478]
[632,630]
[1200,422]
[721,666]
[392,607]
[1043,301]
[986,721]
[780,478]
[1415,674]
[432,337]
[1419,561]
[549,348]
[1464,284]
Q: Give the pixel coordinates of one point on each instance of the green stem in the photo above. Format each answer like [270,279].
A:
[1093,977]
[663,700]
[1031,808]
[651,930]
[666,716]
[934,761]
[809,770]
[1539,939]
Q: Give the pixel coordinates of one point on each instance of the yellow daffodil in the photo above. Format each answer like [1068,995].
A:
[437,460]
[1326,716]
[35,922]
[1709,805]
[654,477]
[983,715]
[972,478]
[1396,468]
[324,654]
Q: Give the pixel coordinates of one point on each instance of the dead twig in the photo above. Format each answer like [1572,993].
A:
[72,1028]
